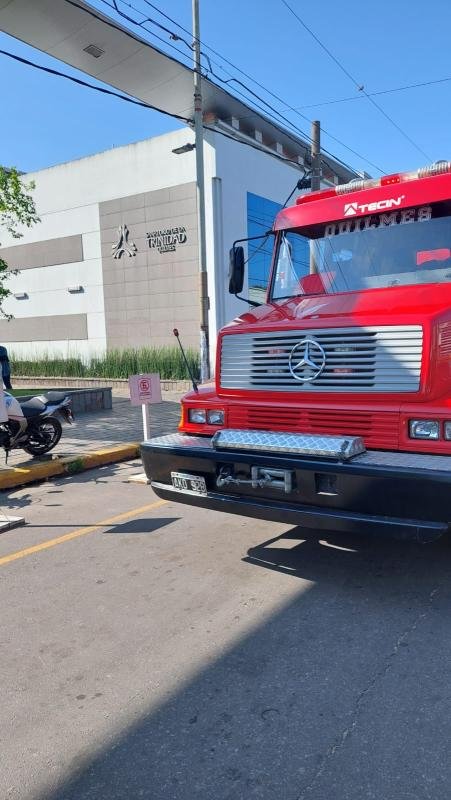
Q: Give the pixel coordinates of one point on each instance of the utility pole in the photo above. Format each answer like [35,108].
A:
[316,155]
[315,182]
[199,137]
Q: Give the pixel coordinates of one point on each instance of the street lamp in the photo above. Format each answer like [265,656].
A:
[185,148]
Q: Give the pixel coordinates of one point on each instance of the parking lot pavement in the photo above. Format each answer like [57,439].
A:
[151,650]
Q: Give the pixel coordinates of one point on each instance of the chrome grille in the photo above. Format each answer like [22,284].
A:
[378,428]
[367,359]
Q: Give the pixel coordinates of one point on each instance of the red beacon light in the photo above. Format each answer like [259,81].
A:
[359,184]
[390,180]
[322,194]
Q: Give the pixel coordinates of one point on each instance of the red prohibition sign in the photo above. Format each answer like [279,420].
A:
[144,385]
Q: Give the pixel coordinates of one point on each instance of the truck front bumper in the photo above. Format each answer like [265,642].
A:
[407,496]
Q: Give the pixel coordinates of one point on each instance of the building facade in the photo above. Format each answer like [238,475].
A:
[113,262]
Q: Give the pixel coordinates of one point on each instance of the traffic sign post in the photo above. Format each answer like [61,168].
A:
[145,390]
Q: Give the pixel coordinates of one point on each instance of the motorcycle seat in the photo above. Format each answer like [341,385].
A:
[33,407]
[53,397]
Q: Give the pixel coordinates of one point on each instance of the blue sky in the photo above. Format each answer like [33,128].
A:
[47,120]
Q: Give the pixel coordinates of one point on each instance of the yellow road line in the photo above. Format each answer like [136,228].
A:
[28,551]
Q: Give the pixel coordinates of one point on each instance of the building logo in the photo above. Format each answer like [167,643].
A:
[351,209]
[123,246]
[167,240]
[307,360]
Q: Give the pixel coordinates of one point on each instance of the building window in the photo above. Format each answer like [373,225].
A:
[260,218]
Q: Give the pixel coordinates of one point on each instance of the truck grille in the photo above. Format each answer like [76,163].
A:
[377,428]
[369,359]
[445,339]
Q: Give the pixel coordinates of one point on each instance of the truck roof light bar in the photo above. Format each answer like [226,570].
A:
[437,168]
[359,184]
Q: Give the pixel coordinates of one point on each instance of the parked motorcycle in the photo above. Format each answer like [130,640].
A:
[33,425]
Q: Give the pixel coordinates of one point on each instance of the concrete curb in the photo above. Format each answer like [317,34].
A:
[67,465]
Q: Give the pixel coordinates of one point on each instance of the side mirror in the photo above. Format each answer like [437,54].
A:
[236,270]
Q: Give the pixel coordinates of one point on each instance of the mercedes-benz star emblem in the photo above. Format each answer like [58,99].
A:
[307,355]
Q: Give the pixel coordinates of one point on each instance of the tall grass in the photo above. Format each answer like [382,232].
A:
[114,364]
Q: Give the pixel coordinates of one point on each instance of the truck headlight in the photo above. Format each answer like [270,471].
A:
[424,429]
[447,430]
[198,415]
[215,416]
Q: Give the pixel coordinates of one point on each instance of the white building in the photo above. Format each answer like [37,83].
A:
[114,261]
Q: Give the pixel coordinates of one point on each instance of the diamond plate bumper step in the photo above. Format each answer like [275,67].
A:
[340,448]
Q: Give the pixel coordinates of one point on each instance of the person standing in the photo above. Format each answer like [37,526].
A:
[6,382]
[6,368]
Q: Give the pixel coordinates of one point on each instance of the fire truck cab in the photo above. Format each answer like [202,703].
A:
[332,401]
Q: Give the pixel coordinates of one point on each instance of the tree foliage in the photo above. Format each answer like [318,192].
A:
[17,210]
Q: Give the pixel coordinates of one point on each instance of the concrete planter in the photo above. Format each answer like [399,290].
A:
[83,400]
[118,385]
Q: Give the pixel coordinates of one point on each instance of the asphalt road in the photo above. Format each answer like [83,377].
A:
[164,653]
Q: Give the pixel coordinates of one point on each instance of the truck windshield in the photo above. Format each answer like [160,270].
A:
[398,248]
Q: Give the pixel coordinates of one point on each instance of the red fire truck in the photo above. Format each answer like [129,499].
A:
[332,401]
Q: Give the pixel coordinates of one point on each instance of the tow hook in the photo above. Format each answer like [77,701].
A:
[281,479]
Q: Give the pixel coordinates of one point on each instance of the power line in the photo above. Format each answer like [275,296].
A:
[252,252]
[141,24]
[251,144]
[235,80]
[323,46]
[359,86]
[172,35]
[376,94]
[101,89]
[323,149]
[307,136]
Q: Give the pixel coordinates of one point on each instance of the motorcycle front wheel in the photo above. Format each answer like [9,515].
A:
[43,436]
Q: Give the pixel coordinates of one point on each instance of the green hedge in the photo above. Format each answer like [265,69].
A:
[167,361]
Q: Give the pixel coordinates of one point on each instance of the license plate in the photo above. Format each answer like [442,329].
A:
[190,484]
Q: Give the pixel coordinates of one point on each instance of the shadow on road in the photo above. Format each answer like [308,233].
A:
[343,691]
[300,550]
[21,498]
[142,525]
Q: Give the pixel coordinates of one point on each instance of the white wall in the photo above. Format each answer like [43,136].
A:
[47,295]
[241,169]
[67,198]
[75,185]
